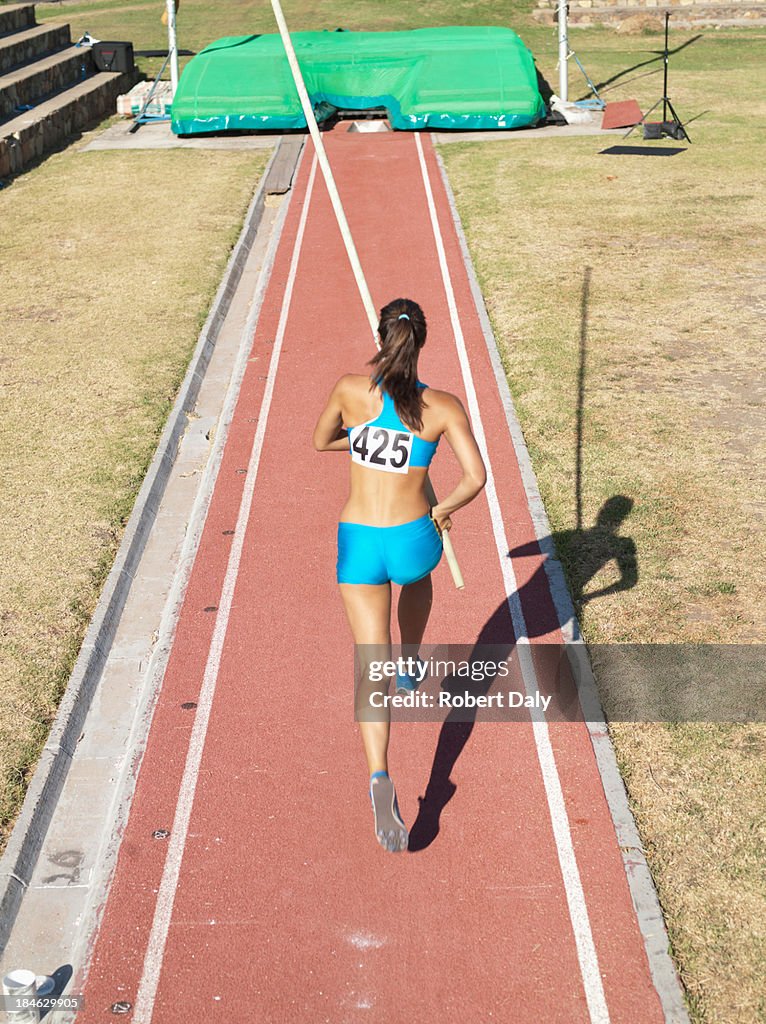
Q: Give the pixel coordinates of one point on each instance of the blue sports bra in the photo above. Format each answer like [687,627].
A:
[385,443]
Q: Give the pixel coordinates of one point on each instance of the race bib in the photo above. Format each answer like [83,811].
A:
[381,448]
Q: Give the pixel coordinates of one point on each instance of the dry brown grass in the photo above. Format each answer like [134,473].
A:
[109,263]
[675,420]
[697,791]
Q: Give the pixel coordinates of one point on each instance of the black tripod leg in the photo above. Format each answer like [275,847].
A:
[677,120]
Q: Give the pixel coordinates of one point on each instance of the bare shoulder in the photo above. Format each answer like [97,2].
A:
[349,385]
[446,405]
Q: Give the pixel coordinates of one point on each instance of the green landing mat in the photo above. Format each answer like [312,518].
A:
[439,78]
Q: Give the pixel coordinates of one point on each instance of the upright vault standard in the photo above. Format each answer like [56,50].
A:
[462,78]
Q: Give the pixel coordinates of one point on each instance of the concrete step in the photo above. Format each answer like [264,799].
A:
[16,18]
[728,13]
[32,83]
[29,136]
[32,43]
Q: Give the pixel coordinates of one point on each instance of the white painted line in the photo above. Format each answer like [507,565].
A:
[135,746]
[578,910]
[643,893]
[155,950]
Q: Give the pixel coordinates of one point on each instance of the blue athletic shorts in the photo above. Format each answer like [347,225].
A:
[377,554]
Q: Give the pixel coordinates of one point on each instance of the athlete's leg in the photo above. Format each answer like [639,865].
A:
[413,610]
[410,563]
[368,609]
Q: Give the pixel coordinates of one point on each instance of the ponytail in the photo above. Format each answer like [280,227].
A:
[402,330]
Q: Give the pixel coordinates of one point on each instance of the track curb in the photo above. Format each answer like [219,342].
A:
[642,889]
[27,837]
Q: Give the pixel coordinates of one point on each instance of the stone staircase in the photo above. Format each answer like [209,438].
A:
[684,13]
[49,89]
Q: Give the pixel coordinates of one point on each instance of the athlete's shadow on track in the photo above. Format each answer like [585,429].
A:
[585,553]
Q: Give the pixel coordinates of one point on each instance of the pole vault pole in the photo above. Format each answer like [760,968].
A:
[348,241]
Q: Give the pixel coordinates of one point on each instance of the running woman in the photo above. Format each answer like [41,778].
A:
[391,423]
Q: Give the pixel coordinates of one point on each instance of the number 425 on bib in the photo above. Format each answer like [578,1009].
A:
[381,448]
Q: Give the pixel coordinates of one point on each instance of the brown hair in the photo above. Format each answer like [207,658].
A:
[402,331]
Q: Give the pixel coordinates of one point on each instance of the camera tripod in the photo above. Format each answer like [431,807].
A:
[674,128]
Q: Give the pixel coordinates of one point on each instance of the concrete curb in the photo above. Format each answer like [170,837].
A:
[279,178]
[640,882]
[26,840]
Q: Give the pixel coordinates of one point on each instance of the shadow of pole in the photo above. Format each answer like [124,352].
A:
[587,551]
[601,86]
[581,395]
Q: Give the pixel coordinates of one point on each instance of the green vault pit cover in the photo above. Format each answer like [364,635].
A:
[443,78]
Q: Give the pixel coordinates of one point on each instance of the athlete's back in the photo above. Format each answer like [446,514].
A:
[389,460]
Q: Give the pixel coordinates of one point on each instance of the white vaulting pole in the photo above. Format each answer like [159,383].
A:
[348,241]
[324,165]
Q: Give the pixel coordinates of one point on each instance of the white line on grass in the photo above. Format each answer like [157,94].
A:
[578,910]
[155,949]
[642,889]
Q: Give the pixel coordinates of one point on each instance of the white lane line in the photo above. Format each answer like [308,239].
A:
[124,790]
[578,910]
[155,949]
[643,893]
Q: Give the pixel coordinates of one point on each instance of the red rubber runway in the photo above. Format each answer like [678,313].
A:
[283,907]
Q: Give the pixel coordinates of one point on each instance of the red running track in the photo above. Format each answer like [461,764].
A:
[273,902]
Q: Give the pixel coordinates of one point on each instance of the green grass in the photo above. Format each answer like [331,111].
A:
[603,52]
[200,22]
[98,337]
[674,424]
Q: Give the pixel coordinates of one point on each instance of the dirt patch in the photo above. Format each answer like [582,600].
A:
[639,24]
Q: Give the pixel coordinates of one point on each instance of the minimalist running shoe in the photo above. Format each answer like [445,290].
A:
[390,830]
[405,683]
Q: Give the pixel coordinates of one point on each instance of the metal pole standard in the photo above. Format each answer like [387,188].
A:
[172,44]
[563,12]
[345,231]
[665,77]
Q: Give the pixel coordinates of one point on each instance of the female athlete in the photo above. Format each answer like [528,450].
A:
[387,533]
